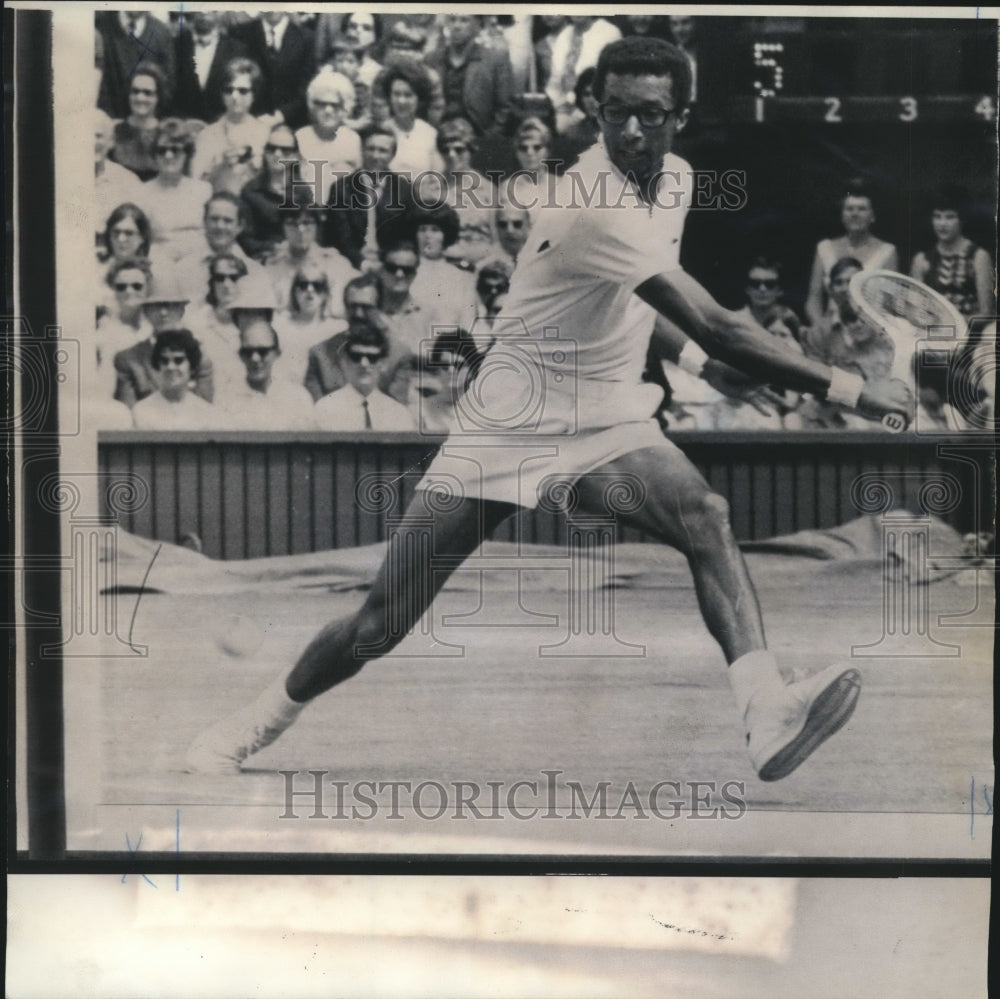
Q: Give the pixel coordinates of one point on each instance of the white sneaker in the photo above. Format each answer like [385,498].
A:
[786,726]
[222,748]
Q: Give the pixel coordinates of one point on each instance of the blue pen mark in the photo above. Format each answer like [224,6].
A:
[144,50]
[142,587]
[987,800]
[134,850]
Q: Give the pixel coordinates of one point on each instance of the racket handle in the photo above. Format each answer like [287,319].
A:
[894,422]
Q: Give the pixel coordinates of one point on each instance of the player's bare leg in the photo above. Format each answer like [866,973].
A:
[784,722]
[423,551]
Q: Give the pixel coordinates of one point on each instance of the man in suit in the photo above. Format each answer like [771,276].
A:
[369,205]
[477,81]
[286,54]
[130,37]
[362,298]
[202,52]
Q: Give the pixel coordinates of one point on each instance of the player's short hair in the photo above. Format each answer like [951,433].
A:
[845,264]
[443,216]
[179,339]
[641,55]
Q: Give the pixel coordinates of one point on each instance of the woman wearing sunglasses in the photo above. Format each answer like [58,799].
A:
[528,186]
[229,151]
[123,325]
[263,196]
[134,137]
[304,322]
[213,319]
[174,201]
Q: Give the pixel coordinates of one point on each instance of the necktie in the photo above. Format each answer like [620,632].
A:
[371,229]
[368,415]
[272,41]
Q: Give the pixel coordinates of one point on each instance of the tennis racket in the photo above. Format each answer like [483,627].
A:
[906,311]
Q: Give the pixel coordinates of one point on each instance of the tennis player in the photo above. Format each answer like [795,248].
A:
[559,400]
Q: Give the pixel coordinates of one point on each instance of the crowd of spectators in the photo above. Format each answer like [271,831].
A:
[292,233]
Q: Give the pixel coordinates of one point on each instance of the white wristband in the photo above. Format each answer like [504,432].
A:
[845,388]
[692,359]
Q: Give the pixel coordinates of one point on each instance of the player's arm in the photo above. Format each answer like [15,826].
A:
[670,343]
[738,340]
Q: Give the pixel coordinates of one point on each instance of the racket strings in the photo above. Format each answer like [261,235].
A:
[904,300]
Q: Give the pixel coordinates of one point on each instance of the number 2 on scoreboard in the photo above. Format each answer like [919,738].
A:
[832,109]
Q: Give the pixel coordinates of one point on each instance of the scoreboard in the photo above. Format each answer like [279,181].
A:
[857,72]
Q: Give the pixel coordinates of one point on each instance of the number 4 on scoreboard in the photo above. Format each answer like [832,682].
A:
[986,109]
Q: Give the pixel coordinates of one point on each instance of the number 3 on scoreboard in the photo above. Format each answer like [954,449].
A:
[908,110]
[832,109]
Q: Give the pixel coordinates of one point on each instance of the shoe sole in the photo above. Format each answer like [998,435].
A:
[828,713]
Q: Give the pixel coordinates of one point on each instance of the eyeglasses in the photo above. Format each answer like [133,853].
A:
[219,278]
[649,117]
[173,360]
[242,91]
[400,270]
[169,150]
[530,147]
[360,356]
[129,286]
[303,285]
[764,285]
[121,231]
[510,223]
[328,105]
[270,147]
[247,352]
[143,91]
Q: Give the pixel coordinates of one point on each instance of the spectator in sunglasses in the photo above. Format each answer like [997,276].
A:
[230,150]
[264,195]
[305,321]
[301,225]
[528,186]
[213,318]
[261,401]
[361,405]
[175,357]
[173,201]
[326,139]
[133,140]
[763,301]
[123,325]
[513,225]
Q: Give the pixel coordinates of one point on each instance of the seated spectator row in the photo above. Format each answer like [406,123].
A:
[318,159]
